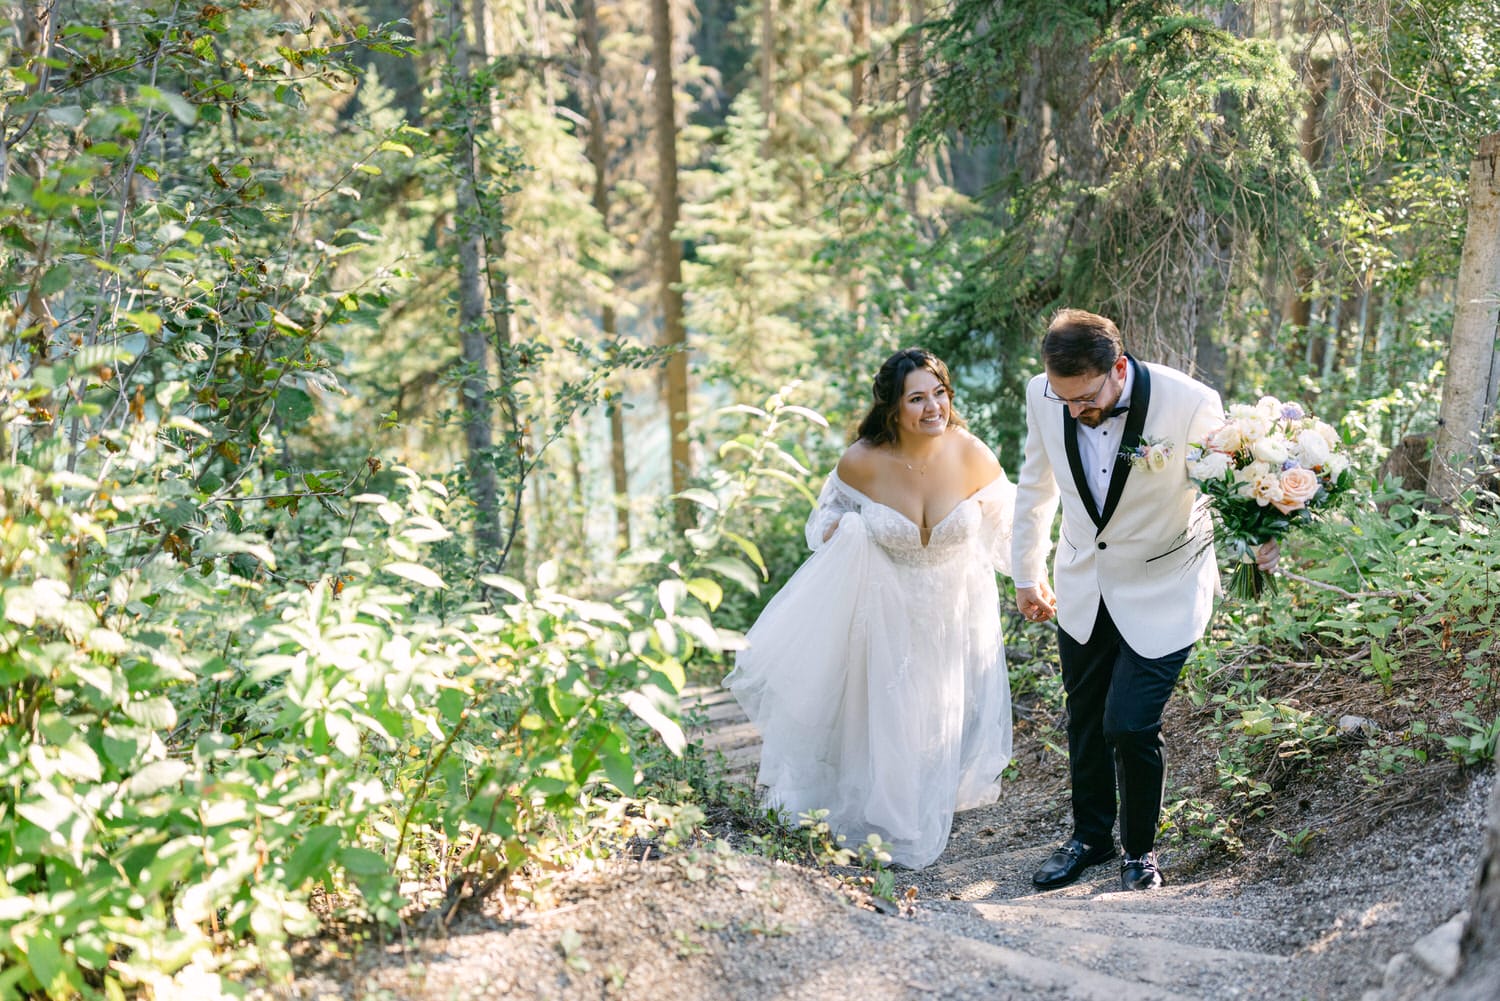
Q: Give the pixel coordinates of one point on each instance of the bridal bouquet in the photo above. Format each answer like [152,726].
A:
[1267,469]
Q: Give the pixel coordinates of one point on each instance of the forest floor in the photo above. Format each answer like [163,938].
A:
[1355,898]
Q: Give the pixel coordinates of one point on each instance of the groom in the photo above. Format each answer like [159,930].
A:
[1135,573]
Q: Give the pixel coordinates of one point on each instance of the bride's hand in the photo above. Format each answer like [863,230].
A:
[1037,603]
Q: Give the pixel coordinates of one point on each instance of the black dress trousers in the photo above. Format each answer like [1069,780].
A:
[1115,699]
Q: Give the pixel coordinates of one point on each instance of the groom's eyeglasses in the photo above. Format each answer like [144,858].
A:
[1080,401]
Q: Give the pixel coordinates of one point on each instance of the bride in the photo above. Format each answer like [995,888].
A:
[877,675]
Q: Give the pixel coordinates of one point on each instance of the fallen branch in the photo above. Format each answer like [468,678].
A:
[1353,595]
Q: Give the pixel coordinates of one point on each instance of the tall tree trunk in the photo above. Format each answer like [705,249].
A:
[1473,355]
[860,62]
[599,158]
[473,316]
[913,77]
[1372,319]
[669,252]
[1297,311]
[767,70]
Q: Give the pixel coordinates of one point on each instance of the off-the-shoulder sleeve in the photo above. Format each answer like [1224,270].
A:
[997,505]
[834,502]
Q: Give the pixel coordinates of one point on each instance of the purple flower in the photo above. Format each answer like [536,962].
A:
[1290,464]
[1292,412]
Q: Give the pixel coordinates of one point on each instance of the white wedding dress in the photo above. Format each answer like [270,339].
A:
[877,675]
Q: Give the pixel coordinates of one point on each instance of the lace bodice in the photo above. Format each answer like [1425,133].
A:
[979,527]
[949,539]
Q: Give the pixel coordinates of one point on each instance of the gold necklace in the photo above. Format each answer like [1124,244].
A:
[919,470]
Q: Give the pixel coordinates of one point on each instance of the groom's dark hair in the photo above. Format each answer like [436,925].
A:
[1081,343]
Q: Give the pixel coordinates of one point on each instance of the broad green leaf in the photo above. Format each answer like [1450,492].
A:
[69,116]
[181,423]
[77,760]
[155,777]
[671,733]
[363,862]
[285,323]
[788,478]
[229,544]
[55,280]
[736,570]
[178,105]
[700,630]
[416,573]
[750,549]
[811,415]
[147,322]
[314,854]
[54,970]
[293,405]
[618,764]
[156,712]
[706,590]
[666,636]
[670,593]
[701,497]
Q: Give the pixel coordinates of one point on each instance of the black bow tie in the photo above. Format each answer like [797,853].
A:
[1117,411]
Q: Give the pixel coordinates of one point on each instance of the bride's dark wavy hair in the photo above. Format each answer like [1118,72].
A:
[879,425]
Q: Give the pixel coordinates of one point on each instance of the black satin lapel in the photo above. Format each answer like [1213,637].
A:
[1135,421]
[1075,463]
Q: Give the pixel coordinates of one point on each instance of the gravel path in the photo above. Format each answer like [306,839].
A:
[1358,920]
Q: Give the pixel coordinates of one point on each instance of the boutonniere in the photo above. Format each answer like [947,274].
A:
[1151,454]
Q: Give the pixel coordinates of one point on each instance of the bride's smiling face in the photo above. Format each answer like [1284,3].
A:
[924,405]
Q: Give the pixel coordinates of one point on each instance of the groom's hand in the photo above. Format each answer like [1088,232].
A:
[1037,603]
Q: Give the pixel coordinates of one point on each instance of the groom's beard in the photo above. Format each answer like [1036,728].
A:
[1092,418]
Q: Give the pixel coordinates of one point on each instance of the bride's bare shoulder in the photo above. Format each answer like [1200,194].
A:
[859,465]
[979,462]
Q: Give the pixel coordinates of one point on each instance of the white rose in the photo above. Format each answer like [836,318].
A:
[1209,466]
[1225,439]
[1157,456]
[1329,434]
[1313,449]
[1268,407]
[1271,450]
[1252,472]
[1254,427]
[1337,463]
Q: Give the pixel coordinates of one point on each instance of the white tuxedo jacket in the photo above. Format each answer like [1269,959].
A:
[1149,553]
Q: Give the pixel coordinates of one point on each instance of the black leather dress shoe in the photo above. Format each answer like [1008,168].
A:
[1067,863]
[1140,873]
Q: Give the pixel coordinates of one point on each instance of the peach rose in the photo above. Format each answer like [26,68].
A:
[1298,486]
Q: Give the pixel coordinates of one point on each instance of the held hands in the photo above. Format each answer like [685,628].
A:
[1268,556]
[1037,603]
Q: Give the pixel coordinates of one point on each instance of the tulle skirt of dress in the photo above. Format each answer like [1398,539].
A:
[880,693]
